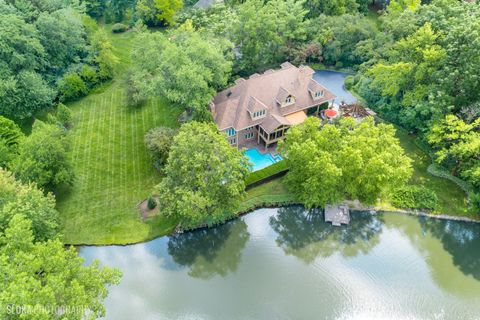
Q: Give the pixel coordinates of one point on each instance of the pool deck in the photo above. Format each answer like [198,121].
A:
[272,150]
[337,214]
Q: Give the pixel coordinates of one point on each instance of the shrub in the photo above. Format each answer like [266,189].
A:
[89,76]
[267,172]
[119,28]
[64,116]
[158,141]
[474,202]
[71,87]
[413,197]
[151,203]
[349,82]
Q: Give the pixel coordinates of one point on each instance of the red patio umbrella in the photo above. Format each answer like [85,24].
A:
[330,113]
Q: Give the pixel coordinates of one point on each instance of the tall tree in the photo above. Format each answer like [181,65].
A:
[187,68]
[264,30]
[359,161]
[204,177]
[457,144]
[29,201]
[158,12]
[43,157]
[46,280]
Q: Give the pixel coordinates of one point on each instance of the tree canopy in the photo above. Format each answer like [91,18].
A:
[43,277]
[43,157]
[41,42]
[187,68]
[360,161]
[30,202]
[204,177]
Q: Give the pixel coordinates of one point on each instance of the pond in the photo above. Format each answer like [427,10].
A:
[287,263]
[334,81]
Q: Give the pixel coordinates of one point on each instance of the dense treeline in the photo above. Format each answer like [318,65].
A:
[49,51]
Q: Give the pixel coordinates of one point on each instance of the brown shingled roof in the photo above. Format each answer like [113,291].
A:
[233,105]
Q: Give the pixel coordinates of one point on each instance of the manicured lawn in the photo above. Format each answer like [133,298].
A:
[114,172]
[271,193]
[112,167]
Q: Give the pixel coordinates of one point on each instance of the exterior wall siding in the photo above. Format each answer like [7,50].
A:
[243,133]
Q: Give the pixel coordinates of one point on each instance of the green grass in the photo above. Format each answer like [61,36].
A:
[452,199]
[272,193]
[114,172]
[112,167]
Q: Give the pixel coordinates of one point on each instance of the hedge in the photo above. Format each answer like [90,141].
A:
[267,173]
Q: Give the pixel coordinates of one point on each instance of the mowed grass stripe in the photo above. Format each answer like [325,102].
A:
[111,163]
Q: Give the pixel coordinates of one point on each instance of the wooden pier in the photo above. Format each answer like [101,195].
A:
[337,214]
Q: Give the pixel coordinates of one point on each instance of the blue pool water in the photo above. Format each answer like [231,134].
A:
[259,161]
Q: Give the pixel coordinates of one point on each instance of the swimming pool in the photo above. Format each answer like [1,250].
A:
[259,161]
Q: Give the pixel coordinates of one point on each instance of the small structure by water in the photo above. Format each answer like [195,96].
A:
[337,214]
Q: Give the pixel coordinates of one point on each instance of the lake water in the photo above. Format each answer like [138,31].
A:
[288,264]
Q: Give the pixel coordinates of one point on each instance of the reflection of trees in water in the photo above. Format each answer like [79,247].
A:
[461,240]
[304,233]
[211,251]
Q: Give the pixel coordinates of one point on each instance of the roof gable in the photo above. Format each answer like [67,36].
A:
[269,90]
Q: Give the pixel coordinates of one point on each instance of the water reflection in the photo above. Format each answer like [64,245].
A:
[304,233]
[461,240]
[210,252]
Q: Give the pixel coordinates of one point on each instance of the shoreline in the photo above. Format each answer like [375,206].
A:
[352,205]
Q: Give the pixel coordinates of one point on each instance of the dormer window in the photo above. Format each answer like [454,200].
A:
[289,101]
[318,94]
[231,132]
[259,114]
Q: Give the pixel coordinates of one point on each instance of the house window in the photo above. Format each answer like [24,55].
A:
[249,128]
[318,94]
[231,132]
[233,141]
[289,100]
[259,114]
[249,135]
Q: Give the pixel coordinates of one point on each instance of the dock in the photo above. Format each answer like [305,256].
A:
[337,214]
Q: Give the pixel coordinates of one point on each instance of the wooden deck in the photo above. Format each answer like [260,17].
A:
[337,214]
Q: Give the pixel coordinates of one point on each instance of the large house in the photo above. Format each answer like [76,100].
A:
[262,108]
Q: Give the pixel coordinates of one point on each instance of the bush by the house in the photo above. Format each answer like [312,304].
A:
[119,28]
[414,197]
[267,172]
